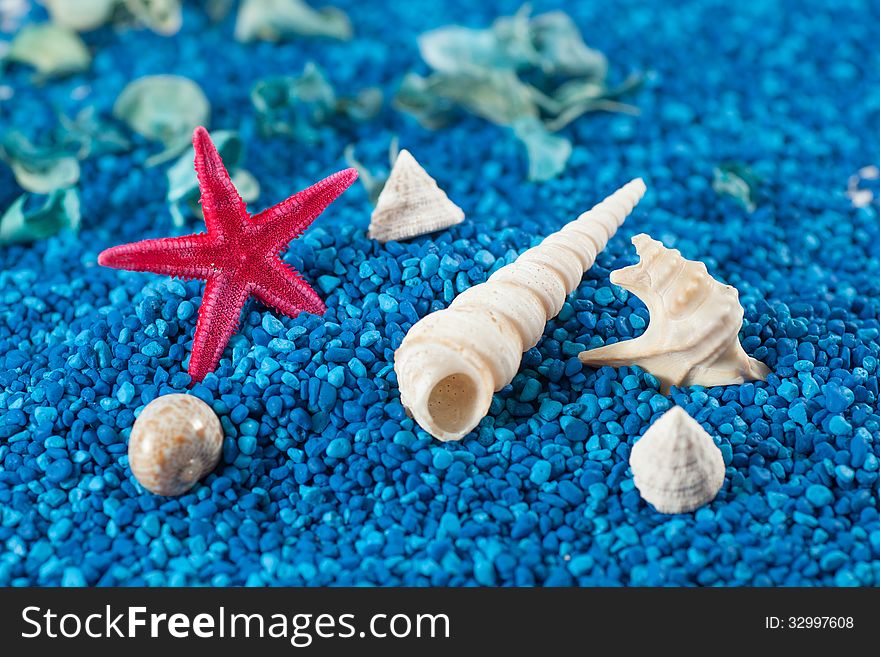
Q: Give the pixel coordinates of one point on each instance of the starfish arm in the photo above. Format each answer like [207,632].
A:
[221,204]
[287,220]
[281,287]
[219,317]
[189,256]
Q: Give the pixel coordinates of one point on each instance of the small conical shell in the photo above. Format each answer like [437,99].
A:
[176,440]
[411,204]
[693,335]
[676,466]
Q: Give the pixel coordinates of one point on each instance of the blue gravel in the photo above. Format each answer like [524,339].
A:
[324,479]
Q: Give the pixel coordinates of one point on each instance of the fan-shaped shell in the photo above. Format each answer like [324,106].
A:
[411,204]
[693,335]
[450,362]
[176,440]
[676,466]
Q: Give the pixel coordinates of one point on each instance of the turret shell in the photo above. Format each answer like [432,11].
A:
[451,361]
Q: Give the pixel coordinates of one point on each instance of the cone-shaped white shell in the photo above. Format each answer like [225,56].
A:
[411,204]
[693,335]
[452,361]
[676,466]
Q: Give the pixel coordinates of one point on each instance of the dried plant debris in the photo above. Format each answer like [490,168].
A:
[24,222]
[372,180]
[53,50]
[163,17]
[164,108]
[38,169]
[535,75]
[548,153]
[88,134]
[297,105]
[80,15]
[738,181]
[861,194]
[218,9]
[276,20]
[183,185]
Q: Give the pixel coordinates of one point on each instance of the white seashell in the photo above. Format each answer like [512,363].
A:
[411,204]
[452,361]
[176,440]
[676,466]
[693,335]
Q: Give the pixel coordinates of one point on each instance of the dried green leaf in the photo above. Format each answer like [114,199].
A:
[21,224]
[183,184]
[550,42]
[497,95]
[88,134]
[38,169]
[247,185]
[455,49]
[161,16]
[165,108]
[361,107]
[80,15]
[738,181]
[53,50]
[519,72]
[561,49]
[287,105]
[373,181]
[548,154]
[275,20]
[218,9]
[416,97]
[295,106]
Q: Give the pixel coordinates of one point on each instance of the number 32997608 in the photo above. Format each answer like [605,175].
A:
[809,623]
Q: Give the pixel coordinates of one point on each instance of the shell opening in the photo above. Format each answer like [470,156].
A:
[454,404]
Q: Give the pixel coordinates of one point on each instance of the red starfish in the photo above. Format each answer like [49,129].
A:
[238,256]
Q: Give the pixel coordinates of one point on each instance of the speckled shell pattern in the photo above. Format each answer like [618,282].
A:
[693,334]
[411,204]
[676,465]
[485,330]
[176,440]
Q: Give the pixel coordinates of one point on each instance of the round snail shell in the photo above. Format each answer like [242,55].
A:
[176,440]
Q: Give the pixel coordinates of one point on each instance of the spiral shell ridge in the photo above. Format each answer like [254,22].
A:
[452,361]
[693,335]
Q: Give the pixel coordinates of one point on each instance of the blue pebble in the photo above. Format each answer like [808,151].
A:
[442,459]
[837,398]
[819,495]
[839,426]
[247,445]
[540,472]
[574,429]
[530,391]
[788,391]
[604,296]
[550,409]
[59,470]
[339,448]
